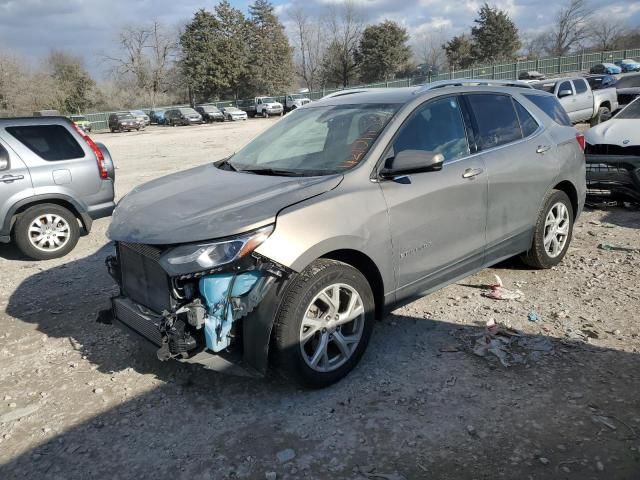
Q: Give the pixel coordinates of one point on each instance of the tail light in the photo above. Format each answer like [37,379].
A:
[581,140]
[104,174]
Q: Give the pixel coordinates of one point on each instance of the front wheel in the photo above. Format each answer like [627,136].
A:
[324,324]
[46,231]
[552,235]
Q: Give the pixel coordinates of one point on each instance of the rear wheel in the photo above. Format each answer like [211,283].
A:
[552,236]
[46,231]
[325,323]
[603,115]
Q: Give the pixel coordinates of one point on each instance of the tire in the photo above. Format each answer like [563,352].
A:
[603,115]
[265,114]
[294,357]
[539,255]
[68,224]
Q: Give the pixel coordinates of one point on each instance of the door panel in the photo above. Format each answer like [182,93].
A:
[584,99]
[15,182]
[437,218]
[569,103]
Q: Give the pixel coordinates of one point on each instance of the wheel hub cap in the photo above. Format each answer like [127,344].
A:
[49,232]
[332,327]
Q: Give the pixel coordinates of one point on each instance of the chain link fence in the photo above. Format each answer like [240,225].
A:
[552,66]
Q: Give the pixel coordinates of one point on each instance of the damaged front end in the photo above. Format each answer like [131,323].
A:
[211,303]
[613,172]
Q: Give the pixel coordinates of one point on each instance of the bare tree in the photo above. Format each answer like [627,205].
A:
[147,54]
[345,24]
[606,33]
[429,49]
[534,45]
[310,45]
[570,27]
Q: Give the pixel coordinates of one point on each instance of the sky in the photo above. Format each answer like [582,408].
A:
[89,28]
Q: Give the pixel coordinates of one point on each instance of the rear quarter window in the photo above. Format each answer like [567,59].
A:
[551,107]
[49,142]
[580,85]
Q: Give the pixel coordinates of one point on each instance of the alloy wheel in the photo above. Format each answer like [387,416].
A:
[332,327]
[49,232]
[556,229]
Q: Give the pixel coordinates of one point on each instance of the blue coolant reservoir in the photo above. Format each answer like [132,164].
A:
[216,290]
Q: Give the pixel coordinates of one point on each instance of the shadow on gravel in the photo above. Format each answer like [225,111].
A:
[420,405]
[620,216]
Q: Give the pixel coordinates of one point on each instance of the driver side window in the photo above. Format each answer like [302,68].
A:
[436,127]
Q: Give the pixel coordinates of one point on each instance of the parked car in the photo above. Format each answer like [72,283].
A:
[54,181]
[262,106]
[295,100]
[608,68]
[82,122]
[598,82]
[628,88]
[531,75]
[124,121]
[157,117]
[141,117]
[345,209]
[210,113]
[182,116]
[581,102]
[628,65]
[234,114]
[613,156]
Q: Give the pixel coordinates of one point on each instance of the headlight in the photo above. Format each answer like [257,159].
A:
[196,257]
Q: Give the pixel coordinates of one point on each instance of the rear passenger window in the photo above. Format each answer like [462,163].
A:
[580,85]
[551,106]
[496,119]
[50,142]
[527,122]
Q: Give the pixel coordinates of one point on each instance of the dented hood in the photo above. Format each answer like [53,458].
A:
[205,202]
[617,131]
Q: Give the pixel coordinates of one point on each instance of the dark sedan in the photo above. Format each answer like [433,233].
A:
[210,113]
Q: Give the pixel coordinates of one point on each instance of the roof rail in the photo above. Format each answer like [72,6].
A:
[471,82]
[348,91]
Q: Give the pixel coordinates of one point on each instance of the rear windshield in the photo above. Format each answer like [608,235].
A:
[551,106]
[631,111]
[49,142]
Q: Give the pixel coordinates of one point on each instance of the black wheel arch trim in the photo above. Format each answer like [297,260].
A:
[78,209]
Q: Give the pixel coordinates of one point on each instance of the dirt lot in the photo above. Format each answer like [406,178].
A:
[80,400]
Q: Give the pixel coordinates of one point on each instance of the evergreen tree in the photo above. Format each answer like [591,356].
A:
[383,51]
[459,51]
[271,69]
[72,80]
[495,36]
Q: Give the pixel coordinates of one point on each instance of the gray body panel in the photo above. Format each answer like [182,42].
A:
[76,181]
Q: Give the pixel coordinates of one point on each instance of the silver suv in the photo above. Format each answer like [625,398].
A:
[345,209]
[54,180]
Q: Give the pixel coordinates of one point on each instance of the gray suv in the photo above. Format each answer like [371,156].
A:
[54,180]
[349,207]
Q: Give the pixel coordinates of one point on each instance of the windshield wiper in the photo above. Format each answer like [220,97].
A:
[276,172]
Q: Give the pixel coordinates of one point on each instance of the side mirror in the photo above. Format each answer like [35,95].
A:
[564,93]
[412,161]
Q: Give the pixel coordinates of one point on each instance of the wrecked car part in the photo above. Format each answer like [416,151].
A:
[613,172]
[203,315]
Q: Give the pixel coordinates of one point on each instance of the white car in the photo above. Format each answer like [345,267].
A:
[233,114]
[613,156]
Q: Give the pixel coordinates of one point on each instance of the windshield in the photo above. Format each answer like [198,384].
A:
[210,109]
[297,96]
[268,100]
[124,116]
[546,87]
[187,111]
[316,141]
[138,112]
[233,110]
[631,111]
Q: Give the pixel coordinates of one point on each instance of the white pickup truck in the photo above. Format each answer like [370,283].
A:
[295,100]
[263,106]
[580,102]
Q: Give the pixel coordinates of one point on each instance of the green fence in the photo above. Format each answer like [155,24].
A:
[552,66]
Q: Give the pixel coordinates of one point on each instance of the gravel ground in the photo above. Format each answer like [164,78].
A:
[79,399]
